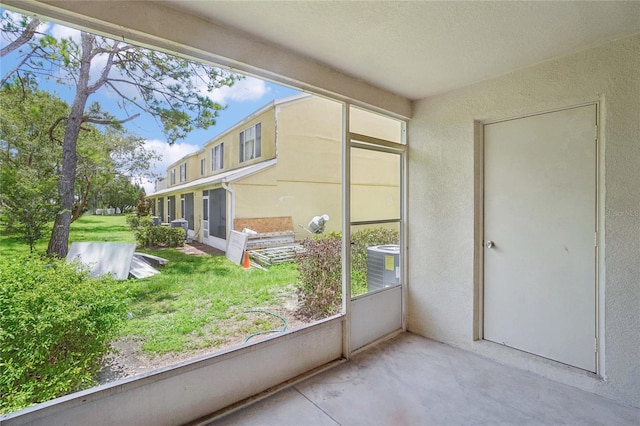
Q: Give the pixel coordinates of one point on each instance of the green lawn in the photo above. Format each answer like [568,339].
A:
[86,228]
[101,228]
[195,302]
[200,301]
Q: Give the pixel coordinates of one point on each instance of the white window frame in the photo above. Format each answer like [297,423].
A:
[173,176]
[203,166]
[250,143]
[217,157]
[183,172]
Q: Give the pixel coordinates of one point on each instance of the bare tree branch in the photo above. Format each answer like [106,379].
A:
[23,38]
[123,96]
[114,49]
[94,120]
[53,127]
[104,75]
[17,67]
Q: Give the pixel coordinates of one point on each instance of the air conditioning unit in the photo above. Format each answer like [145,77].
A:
[383,266]
[180,223]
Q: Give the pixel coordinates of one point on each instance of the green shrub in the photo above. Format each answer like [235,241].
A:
[133,221]
[320,266]
[55,326]
[142,229]
[150,235]
[319,277]
[165,236]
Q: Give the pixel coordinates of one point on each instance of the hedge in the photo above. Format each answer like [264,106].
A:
[55,326]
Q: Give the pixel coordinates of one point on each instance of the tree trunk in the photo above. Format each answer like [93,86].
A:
[84,202]
[59,242]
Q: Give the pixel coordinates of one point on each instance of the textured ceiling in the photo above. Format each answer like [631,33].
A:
[418,49]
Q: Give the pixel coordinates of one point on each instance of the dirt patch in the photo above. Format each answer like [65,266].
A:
[198,249]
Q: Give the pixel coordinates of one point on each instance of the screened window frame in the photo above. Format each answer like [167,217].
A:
[255,135]
[183,172]
[217,157]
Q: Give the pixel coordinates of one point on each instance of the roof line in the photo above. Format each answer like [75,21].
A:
[264,108]
[226,177]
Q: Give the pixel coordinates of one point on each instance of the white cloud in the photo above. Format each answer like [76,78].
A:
[247,89]
[168,154]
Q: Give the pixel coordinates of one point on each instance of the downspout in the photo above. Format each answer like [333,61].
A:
[232,207]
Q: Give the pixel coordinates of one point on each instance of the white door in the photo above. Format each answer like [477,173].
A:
[205,219]
[539,235]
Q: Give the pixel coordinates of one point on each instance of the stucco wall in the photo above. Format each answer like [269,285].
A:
[307,178]
[441,213]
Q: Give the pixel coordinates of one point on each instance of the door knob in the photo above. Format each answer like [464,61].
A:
[490,244]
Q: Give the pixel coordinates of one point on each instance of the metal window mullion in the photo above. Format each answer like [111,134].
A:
[404,209]
[378,148]
[346,232]
[375,222]
[370,141]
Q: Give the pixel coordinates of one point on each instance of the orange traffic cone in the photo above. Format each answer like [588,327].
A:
[245,264]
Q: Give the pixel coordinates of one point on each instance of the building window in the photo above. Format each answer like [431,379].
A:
[202,166]
[173,176]
[217,157]
[250,143]
[183,172]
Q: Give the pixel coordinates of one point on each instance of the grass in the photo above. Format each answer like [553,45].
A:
[101,228]
[200,301]
[86,228]
[195,302]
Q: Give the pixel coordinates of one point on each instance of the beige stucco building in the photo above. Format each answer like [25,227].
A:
[283,160]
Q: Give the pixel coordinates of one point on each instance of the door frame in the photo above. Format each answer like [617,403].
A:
[377,314]
[478,225]
[214,240]
[356,310]
[205,230]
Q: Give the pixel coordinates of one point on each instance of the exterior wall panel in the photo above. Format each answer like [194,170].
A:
[442,211]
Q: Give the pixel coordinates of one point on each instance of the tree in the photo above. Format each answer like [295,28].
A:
[121,193]
[30,155]
[29,159]
[168,87]
[26,202]
[114,155]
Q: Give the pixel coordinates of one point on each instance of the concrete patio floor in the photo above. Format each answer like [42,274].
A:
[410,380]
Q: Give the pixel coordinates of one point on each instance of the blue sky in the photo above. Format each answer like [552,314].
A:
[245,97]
